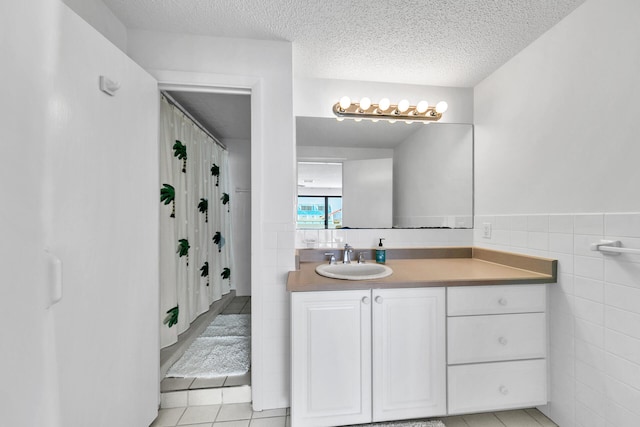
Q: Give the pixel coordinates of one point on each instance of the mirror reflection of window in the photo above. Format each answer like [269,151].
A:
[319,195]
[322,212]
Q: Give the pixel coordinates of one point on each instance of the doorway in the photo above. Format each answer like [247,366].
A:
[226,118]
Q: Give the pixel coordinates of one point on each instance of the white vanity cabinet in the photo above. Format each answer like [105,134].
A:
[496,347]
[370,355]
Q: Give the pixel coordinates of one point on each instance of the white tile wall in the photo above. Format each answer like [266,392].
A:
[394,238]
[594,312]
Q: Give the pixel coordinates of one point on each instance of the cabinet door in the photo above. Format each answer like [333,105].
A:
[331,358]
[409,365]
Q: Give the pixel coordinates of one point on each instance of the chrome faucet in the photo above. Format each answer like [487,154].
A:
[348,250]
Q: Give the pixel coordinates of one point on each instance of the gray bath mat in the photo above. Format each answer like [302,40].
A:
[222,350]
[214,357]
[229,325]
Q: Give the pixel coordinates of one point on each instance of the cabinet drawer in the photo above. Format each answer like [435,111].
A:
[496,337]
[467,300]
[497,386]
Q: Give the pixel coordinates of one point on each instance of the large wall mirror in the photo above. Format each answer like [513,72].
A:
[384,175]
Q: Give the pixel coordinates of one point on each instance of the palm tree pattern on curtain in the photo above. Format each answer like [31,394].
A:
[215,171]
[180,151]
[172,316]
[195,262]
[168,195]
[183,249]
[218,239]
[203,207]
[225,200]
[204,271]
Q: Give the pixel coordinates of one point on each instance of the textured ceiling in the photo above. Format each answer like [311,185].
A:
[432,42]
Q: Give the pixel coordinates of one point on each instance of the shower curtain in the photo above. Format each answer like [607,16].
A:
[195,255]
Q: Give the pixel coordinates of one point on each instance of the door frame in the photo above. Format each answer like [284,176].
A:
[241,85]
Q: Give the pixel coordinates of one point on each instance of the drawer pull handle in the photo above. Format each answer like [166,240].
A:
[503,340]
[379,299]
[503,390]
[365,300]
[502,301]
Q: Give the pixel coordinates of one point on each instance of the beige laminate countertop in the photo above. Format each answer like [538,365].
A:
[494,269]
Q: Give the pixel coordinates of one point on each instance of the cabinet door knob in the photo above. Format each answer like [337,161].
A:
[365,300]
[503,390]
[502,301]
[503,340]
[379,299]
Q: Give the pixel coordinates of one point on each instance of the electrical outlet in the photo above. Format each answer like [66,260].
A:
[486,230]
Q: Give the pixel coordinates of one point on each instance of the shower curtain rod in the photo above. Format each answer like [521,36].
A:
[175,103]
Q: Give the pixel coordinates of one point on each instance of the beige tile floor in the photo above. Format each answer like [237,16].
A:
[242,415]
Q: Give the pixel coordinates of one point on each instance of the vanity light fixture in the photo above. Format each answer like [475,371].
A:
[365,109]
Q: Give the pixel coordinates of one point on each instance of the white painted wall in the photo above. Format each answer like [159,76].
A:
[240,179]
[100,17]
[556,133]
[81,180]
[557,126]
[433,177]
[266,67]
[367,191]
[28,391]
[102,215]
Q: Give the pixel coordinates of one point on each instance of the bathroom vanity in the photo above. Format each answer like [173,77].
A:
[451,331]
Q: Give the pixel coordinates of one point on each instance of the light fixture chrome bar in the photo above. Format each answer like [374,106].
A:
[374,112]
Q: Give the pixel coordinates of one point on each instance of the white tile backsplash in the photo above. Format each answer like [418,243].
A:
[518,223]
[623,321]
[622,345]
[591,398]
[538,223]
[622,224]
[561,242]
[589,267]
[588,224]
[538,240]
[589,289]
[561,224]
[594,312]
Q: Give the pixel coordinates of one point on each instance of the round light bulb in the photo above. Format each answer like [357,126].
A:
[392,121]
[422,107]
[441,107]
[345,102]
[357,119]
[365,103]
[403,105]
[384,104]
[340,119]
[408,122]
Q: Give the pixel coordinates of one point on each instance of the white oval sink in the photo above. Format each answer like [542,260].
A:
[354,271]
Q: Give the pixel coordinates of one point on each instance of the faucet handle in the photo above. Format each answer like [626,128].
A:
[332,260]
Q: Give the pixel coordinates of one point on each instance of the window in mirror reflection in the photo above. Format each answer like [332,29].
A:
[319,212]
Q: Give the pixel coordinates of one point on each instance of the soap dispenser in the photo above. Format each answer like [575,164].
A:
[381,254]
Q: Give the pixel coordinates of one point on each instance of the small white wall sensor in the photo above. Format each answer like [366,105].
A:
[108,86]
